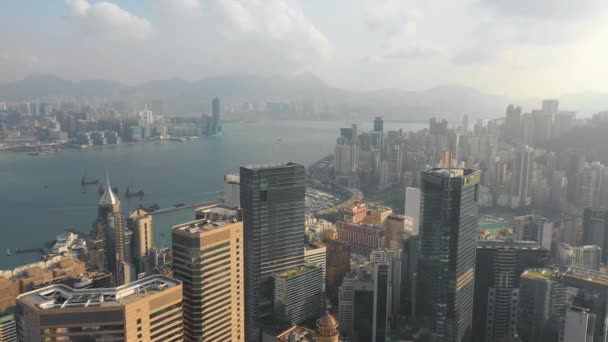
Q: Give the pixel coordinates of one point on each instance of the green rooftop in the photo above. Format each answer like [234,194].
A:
[294,272]
[546,273]
[587,278]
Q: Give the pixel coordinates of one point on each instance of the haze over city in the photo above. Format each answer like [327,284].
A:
[304,170]
[519,49]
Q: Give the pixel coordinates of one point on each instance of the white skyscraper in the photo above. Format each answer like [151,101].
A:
[146,117]
[412,209]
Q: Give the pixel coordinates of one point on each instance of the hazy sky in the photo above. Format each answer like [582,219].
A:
[508,47]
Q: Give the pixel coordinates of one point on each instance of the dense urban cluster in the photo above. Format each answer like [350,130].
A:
[495,235]
[45,127]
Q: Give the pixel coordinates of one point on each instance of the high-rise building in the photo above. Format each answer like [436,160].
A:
[412,209]
[346,304]
[595,230]
[112,239]
[542,124]
[520,178]
[550,107]
[370,306]
[149,309]
[315,253]
[140,223]
[395,262]
[579,325]
[587,257]
[513,122]
[299,294]
[207,258]
[384,179]
[146,117]
[362,238]
[8,328]
[542,305]
[446,264]
[554,292]
[216,123]
[346,157]
[533,228]
[272,198]
[589,185]
[232,191]
[378,124]
[338,265]
[564,121]
[395,165]
[499,263]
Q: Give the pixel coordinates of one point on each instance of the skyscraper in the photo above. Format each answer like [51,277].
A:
[589,185]
[542,304]
[533,228]
[378,124]
[550,107]
[140,223]
[216,124]
[272,197]
[446,264]
[521,174]
[299,293]
[499,263]
[595,230]
[207,257]
[113,238]
[148,309]
[395,165]
[587,257]
[412,209]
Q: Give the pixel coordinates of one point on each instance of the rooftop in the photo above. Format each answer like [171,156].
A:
[509,243]
[296,271]
[299,334]
[108,197]
[539,273]
[201,226]
[452,172]
[273,165]
[61,296]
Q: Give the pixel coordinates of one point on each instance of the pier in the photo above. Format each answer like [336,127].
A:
[185,206]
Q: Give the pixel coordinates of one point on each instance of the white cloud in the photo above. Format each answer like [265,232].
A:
[107,20]
[547,9]
[280,22]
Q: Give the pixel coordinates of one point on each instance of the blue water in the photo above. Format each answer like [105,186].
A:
[170,173]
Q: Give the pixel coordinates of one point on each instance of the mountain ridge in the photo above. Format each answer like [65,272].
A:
[451,101]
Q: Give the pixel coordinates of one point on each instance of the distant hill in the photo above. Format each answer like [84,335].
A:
[446,101]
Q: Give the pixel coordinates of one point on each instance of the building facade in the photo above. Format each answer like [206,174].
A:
[299,294]
[273,201]
[533,228]
[207,258]
[446,263]
[363,238]
[499,264]
[148,309]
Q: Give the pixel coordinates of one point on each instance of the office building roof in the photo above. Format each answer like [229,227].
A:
[61,296]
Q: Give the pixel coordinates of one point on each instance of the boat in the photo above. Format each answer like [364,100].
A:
[154,207]
[179,205]
[129,194]
[84,181]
